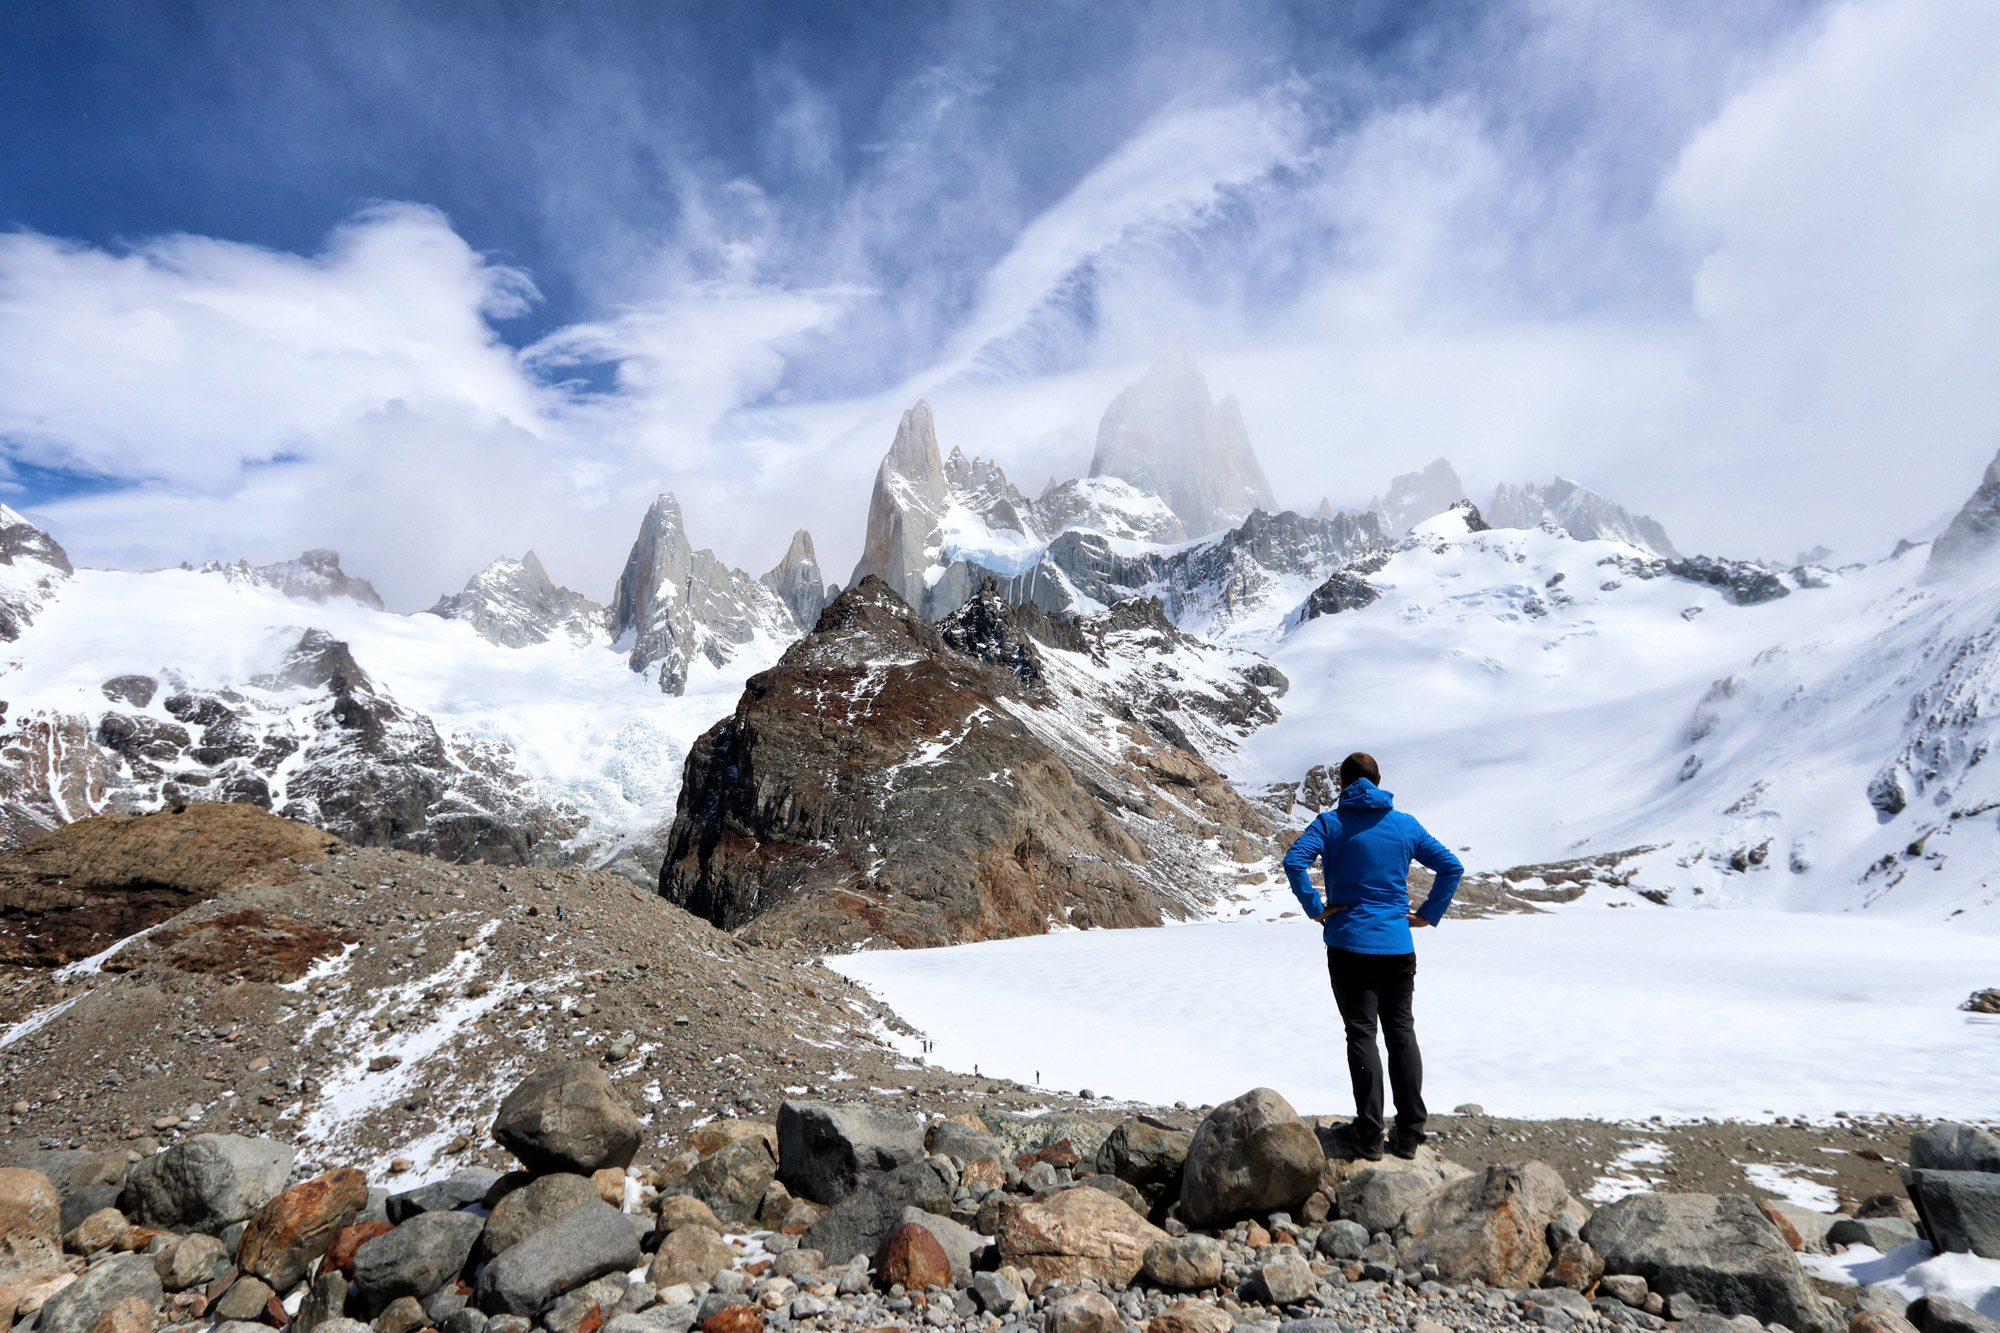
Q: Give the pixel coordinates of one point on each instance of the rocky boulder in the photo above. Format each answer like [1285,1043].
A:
[1249,1156]
[691,1253]
[206,1182]
[77,1307]
[1718,1249]
[1076,1234]
[414,1259]
[732,1180]
[1380,1193]
[592,1241]
[910,1257]
[295,1228]
[455,1191]
[1491,1226]
[1936,1314]
[1147,1155]
[542,1202]
[1960,1210]
[824,1149]
[30,1233]
[1947,1147]
[569,1118]
[857,1224]
[1185,1263]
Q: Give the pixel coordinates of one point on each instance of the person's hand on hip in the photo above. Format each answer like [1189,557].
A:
[1418,919]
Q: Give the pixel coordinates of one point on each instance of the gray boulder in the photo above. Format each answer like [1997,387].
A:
[72,1169]
[1285,1278]
[206,1182]
[1949,1147]
[1880,1233]
[81,1203]
[949,1138]
[76,1307]
[1030,1133]
[1718,1249]
[1147,1155]
[1491,1226]
[525,1211]
[1935,1314]
[1378,1196]
[592,1241]
[656,1319]
[569,1118]
[858,1223]
[415,1259]
[1186,1263]
[1960,1210]
[1250,1156]
[441,1196]
[1342,1238]
[825,1150]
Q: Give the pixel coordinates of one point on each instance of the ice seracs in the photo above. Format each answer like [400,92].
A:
[1165,435]
[678,604]
[514,603]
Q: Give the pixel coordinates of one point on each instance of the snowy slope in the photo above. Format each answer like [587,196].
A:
[1534,698]
[576,722]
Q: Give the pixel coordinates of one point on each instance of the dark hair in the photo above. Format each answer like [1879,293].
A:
[1357,766]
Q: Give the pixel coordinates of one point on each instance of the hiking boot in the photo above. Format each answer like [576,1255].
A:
[1347,1143]
[1405,1141]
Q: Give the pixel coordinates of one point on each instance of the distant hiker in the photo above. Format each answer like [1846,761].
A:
[1366,847]
[559,912]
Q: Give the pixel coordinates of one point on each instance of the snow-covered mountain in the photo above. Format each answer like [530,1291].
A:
[1165,435]
[1583,512]
[514,603]
[1416,496]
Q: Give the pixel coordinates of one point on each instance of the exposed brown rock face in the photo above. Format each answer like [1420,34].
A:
[74,891]
[904,783]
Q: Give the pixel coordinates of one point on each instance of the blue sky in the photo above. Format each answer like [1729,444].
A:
[433,282]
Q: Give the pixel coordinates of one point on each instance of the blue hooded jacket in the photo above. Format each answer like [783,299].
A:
[1367,846]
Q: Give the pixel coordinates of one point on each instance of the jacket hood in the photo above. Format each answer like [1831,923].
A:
[1361,794]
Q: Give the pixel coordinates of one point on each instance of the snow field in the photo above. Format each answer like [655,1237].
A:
[1592,1012]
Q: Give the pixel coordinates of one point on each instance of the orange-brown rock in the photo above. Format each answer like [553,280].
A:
[1576,1266]
[1076,1234]
[340,1254]
[1490,1226]
[910,1257]
[1191,1317]
[295,1228]
[716,1135]
[1782,1223]
[985,1171]
[30,1243]
[99,1231]
[734,1319]
[609,1183]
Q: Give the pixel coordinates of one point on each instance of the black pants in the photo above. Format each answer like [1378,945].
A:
[1369,987]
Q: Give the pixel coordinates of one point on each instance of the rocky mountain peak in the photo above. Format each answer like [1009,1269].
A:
[913,454]
[680,605]
[514,603]
[1973,531]
[32,565]
[1582,512]
[1164,434]
[798,581]
[1416,496]
[315,576]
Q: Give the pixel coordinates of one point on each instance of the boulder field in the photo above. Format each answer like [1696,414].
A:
[841,1217]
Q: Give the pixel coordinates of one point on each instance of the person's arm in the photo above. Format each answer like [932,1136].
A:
[1298,861]
[1449,871]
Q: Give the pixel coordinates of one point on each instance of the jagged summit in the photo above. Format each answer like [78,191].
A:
[315,576]
[1416,496]
[1973,532]
[1165,435]
[678,603]
[1586,515]
[514,603]
[798,581]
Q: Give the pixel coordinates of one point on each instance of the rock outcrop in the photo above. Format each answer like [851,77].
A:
[682,606]
[1973,532]
[315,576]
[514,603]
[33,566]
[880,784]
[1416,496]
[1165,435]
[1586,515]
[799,583]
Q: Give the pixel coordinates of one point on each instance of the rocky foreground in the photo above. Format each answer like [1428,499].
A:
[842,1217]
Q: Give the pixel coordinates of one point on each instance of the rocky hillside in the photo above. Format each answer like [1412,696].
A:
[897,782]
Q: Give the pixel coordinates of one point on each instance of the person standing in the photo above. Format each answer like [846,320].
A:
[1365,846]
